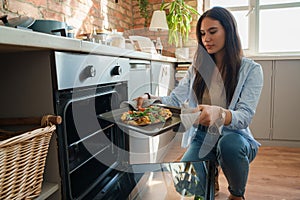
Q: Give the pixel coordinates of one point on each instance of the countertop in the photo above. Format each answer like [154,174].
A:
[14,40]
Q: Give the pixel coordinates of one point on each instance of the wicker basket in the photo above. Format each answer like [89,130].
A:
[22,160]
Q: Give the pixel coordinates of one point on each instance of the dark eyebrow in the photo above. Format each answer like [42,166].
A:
[210,29]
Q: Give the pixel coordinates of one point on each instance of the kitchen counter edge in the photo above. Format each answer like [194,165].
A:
[13,40]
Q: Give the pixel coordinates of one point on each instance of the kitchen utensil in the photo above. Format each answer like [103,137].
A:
[129,44]
[51,27]
[116,39]
[145,44]
[99,38]
[71,32]
[22,21]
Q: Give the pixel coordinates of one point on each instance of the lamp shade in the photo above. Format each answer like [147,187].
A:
[159,21]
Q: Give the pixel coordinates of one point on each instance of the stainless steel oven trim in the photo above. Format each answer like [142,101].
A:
[80,70]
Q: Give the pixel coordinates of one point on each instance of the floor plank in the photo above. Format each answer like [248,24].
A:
[274,175]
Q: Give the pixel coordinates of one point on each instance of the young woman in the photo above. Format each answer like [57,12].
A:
[225,87]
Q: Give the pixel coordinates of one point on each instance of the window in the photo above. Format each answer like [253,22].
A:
[265,26]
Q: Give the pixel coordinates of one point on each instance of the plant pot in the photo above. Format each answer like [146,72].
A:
[182,53]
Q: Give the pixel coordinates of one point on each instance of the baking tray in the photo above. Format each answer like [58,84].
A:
[114,116]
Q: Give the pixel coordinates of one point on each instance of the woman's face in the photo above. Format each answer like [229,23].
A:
[212,35]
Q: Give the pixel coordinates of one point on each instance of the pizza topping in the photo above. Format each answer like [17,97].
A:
[150,115]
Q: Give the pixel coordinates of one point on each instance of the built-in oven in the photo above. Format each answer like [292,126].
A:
[93,154]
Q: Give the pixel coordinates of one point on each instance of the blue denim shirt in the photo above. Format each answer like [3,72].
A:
[242,106]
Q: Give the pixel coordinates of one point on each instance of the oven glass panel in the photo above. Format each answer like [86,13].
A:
[92,144]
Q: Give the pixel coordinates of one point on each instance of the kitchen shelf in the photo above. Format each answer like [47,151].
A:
[47,190]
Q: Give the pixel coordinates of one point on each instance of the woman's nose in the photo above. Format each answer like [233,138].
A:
[207,38]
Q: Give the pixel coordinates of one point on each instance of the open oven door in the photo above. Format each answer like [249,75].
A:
[150,143]
[155,150]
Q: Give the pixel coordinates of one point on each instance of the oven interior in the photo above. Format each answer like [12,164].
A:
[93,151]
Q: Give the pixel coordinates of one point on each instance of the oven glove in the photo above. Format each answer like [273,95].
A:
[133,103]
[188,116]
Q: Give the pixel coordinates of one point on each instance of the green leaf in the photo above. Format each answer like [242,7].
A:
[179,20]
[172,7]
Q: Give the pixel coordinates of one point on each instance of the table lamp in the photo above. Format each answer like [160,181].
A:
[159,23]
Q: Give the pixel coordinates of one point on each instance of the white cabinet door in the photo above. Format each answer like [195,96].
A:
[287,100]
[261,123]
[162,81]
[139,80]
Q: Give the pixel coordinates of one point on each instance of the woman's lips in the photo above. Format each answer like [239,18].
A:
[208,46]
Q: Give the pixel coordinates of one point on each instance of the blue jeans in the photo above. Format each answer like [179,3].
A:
[231,151]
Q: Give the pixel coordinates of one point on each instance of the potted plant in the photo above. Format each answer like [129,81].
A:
[179,18]
[143,6]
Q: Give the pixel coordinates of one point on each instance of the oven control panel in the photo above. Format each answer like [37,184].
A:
[75,70]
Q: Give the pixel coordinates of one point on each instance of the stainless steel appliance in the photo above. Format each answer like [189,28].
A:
[92,152]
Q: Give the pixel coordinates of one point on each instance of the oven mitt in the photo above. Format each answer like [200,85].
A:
[133,103]
[188,116]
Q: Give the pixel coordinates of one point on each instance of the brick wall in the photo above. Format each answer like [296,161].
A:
[139,29]
[85,15]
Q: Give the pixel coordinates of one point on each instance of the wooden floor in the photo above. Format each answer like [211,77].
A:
[274,175]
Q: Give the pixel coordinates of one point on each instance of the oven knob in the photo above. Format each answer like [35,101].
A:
[117,70]
[90,71]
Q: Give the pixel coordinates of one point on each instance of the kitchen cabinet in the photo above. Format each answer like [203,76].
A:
[155,77]
[286,100]
[139,78]
[26,90]
[261,123]
[181,70]
[276,118]
[162,78]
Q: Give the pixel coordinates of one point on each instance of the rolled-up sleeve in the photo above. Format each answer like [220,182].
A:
[181,93]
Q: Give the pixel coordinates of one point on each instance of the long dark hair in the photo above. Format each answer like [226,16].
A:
[232,57]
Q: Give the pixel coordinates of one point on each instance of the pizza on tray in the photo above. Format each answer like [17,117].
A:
[149,115]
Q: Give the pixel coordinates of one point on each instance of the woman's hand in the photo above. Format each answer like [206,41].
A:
[140,100]
[209,114]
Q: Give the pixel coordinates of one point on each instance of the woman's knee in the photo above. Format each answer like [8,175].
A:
[231,147]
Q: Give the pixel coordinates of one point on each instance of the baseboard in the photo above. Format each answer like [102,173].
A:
[285,143]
